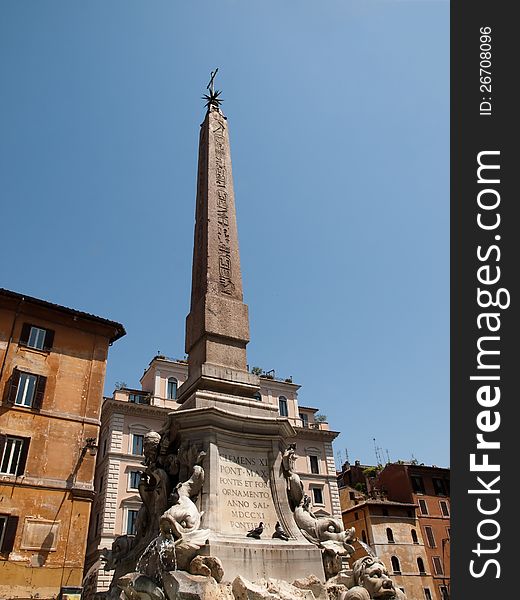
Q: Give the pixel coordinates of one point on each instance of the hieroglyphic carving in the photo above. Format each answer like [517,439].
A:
[226,285]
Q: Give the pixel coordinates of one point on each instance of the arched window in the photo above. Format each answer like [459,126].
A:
[284,409]
[420,565]
[396,567]
[257,396]
[390,535]
[172,388]
[364,536]
[414,537]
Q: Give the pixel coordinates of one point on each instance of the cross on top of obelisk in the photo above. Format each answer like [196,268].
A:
[213,100]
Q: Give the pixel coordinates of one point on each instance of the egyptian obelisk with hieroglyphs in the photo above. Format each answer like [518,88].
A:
[243,438]
[217,327]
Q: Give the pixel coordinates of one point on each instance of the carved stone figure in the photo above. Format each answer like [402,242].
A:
[183,517]
[294,483]
[372,581]
[168,534]
[328,533]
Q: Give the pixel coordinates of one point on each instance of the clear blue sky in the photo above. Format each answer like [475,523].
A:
[339,121]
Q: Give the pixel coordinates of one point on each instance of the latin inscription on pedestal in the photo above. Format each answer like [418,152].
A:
[245,492]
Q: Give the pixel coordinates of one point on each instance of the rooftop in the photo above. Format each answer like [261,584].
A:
[119,329]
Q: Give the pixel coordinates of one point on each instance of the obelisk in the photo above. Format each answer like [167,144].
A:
[217,327]
[243,438]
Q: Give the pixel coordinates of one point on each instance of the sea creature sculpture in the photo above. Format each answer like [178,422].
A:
[372,581]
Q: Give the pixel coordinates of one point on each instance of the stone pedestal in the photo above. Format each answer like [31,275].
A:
[244,485]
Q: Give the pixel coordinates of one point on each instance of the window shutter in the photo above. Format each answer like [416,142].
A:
[23,457]
[2,445]
[10,534]
[12,387]
[49,339]
[24,335]
[39,393]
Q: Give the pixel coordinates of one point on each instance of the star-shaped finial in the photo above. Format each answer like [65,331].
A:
[212,99]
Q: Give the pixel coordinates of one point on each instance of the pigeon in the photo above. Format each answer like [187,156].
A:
[279,532]
[256,532]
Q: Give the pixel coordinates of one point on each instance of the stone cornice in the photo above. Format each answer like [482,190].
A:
[234,422]
[325,435]
[78,490]
[111,406]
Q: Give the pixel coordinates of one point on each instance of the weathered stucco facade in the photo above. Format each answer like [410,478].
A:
[429,488]
[402,510]
[132,413]
[392,530]
[52,362]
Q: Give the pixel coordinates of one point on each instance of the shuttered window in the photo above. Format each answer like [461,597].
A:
[36,337]
[8,527]
[13,454]
[26,389]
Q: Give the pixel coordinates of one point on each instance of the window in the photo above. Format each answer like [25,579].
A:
[138,398]
[315,465]
[420,566]
[414,537]
[131,521]
[36,337]
[282,403]
[439,487]
[427,594]
[356,516]
[417,484]
[137,444]
[423,506]
[364,537]
[437,565]
[105,446]
[396,567]
[304,419]
[448,532]
[390,535]
[172,388]
[317,495]
[13,452]
[257,396]
[444,508]
[444,592]
[430,537]
[134,477]
[97,524]
[3,525]
[352,495]
[26,389]
[8,527]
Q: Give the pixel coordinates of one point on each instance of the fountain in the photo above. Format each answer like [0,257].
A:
[224,513]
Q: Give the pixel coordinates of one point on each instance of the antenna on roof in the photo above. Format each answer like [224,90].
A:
[377,451]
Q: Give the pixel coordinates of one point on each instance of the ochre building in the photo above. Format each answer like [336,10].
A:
[52,370]
[402,511]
